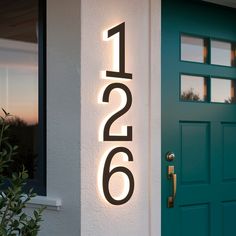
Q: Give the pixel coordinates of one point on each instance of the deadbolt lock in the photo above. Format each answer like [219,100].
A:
[170,156]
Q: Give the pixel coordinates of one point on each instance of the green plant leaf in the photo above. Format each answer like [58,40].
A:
[13,198]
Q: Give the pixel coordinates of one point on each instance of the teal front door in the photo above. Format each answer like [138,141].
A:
[198,119]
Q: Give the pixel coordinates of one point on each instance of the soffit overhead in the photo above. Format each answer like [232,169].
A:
[18,19]
[228,3]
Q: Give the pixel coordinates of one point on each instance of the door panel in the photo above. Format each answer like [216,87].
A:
[199,118]
[229,151]
[196,220]
[195,155]
[229,209]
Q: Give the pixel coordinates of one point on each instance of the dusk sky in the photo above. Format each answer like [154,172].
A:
[19,82]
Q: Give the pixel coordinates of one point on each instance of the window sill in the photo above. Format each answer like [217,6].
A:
[53,204]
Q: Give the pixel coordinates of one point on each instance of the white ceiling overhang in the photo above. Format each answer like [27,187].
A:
[228,3]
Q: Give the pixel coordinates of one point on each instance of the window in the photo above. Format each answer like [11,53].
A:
[222,90]
[212,53]
[193,49]
[22,83]
[193,88]
[222,53]
[208,51]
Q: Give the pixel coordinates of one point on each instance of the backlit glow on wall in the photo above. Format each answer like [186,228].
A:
[122,101]
[115,40]
[115,180]
[119,182]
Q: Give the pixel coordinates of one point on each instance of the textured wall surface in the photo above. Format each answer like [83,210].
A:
[76,55]
[98,217]
[63,117]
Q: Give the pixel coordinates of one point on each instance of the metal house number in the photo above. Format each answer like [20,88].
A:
[121,74]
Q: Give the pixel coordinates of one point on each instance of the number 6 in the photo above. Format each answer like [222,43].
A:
[107,175]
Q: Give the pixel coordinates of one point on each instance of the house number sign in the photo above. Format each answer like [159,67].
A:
[107,136]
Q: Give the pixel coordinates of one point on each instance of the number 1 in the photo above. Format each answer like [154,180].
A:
[121,73]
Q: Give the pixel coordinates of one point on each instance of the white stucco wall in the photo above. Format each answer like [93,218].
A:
[141,215]
[76,54]
[63,117]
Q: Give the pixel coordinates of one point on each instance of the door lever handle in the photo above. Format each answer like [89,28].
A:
[172,176]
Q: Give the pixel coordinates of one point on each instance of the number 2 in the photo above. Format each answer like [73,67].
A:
[106,133]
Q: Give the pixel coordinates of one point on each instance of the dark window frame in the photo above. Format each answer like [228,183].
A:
[39,182]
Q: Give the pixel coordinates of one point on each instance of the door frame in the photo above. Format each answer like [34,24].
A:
[155,117]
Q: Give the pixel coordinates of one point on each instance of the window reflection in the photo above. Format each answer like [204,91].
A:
[222,53]
[22,93]
[3,87]
[223,90]
[19,79]
[193,49]
[193,88]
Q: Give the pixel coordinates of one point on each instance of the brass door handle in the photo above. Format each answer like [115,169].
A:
[172,176]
